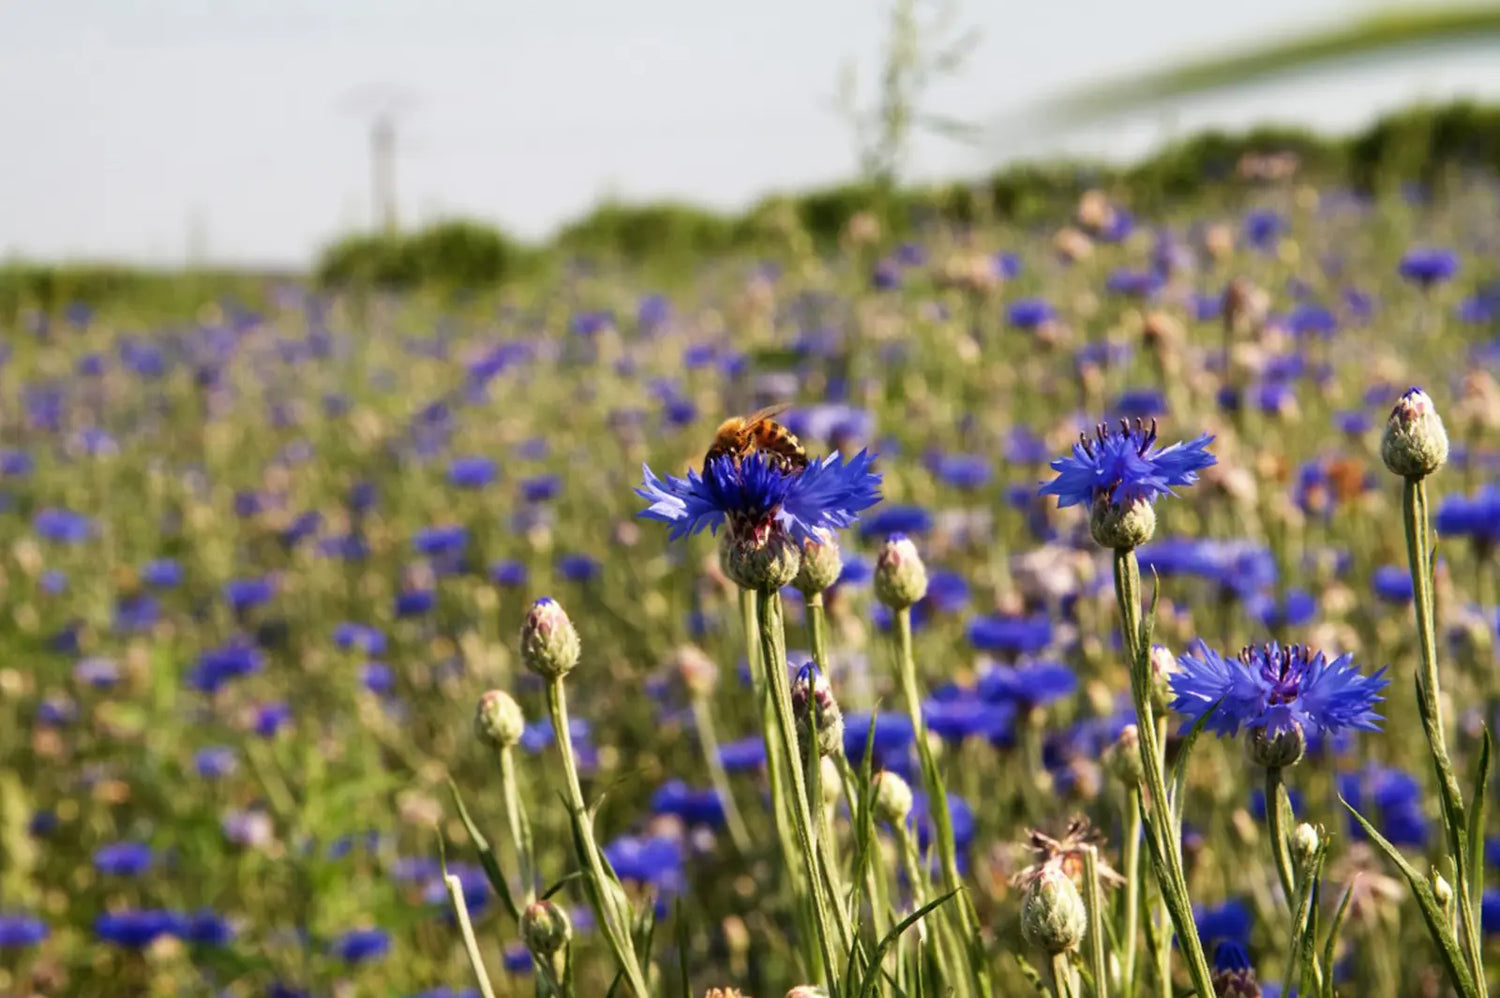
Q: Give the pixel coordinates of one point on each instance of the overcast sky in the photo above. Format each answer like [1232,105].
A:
[136,129]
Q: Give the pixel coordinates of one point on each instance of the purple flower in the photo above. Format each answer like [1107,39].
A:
[471,472]
[216,762]
[350,636]
[1276,689]
[137,929]
[829,493]
[18,931]
[62,526]
[123,859]
[362,945]
[896,520]
[164,573]
[1392,583]
[1030,313]
[1125,465]
[694,807]
[508,573]
[1428,265]
[1011,635]
[243,594]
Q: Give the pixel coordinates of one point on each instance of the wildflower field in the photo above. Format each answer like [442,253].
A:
[1128,627]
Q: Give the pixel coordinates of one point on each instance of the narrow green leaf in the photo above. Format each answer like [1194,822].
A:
[1179,767]
[1330,941]
[487,858]
[1432,912]
[867,988]
[1030,973]
[565,881]
[614,986]
[1476,815]
[683,942]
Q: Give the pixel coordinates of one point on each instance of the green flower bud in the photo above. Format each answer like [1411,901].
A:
[547,931]
[806,991]
[831,781]
[812,687]
[499,721]
[1305,842]
[900,576]
[545,927]
[764,562]
[1052,913]
[1123,757]
[892,800]
[1278,751]
[1128,525]
[821,563]
[1441,889]
[1415,443]
[549,642]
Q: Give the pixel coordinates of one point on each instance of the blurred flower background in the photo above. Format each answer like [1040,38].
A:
[267,533]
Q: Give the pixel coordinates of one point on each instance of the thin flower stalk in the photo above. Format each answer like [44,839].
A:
[708,740]
[1130,863]
[519,824]
[967,921]
[1093,896]
[1429,705]
[605,895]
[773,656]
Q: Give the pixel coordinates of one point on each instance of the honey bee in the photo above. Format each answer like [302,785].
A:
[742,435]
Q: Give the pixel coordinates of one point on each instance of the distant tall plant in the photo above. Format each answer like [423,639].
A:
[917,54]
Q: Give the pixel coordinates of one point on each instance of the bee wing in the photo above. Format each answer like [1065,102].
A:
[769,412]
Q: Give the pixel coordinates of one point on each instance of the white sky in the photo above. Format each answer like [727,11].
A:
[128,125]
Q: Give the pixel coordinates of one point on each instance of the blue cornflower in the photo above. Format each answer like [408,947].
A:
[578,567]
[1030,313]
[377,677]
[1426,265]
[694,807]
[1277,690]
[123,859]
[540,488]
[415,602]
[137,929]
[1229,921]
[508,573]
[963,471]
[653,859]
[471,472]
[362,945]
[436,542]
[745,755]
[242,594]
[164,573]
[1125,465]
[1028,686]
[1392,583]
[1011,635]
[353,636]
[217,666]
[271,718]
[216,761]
[62,525]
[829,493]
[897,520]
[207,928]
[18,931]
[966,715]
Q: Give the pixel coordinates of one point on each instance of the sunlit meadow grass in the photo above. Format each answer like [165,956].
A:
[259,567]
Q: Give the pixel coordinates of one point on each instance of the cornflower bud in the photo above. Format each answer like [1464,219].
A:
[546,927]
[1415,443]
[1052,913]
[1123,757]
[900,576]
[759,560]
[1441,889]
[1128,525]
[811,688]
[831,782]
[549,642]
[806,991]
[1278,751]
[821,563]
[1163,664]
[499,721]
[893,799]
[1305,842]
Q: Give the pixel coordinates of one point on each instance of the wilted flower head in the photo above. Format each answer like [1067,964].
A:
[1276,691]
[1125,465]
[1066,853]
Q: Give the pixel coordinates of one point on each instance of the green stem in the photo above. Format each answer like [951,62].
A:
[1429,704]
[466,930]
[520,824]
[817,629]
[937,806]
[1169,874]
[1131,863]
[773,655]
[708,740]
[1062,976]
[1093,894]
[610,906]
[1280,851]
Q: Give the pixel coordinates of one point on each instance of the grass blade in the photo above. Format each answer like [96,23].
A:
[866,989]
[487,858]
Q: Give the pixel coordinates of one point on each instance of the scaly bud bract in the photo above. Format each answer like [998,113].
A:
[1127,525]
[549,642]
[900,576]
[499,722]
[822,563]
[1415,443]
[1052,913]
